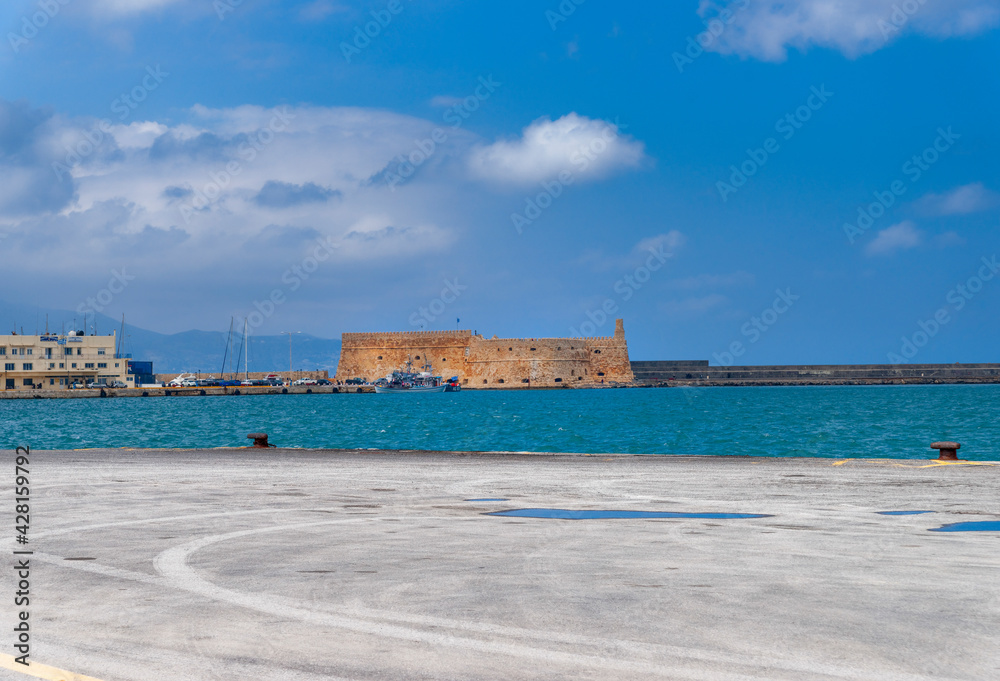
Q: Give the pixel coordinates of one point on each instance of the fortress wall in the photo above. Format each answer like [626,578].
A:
[378,355]
[515,362]
[490,363]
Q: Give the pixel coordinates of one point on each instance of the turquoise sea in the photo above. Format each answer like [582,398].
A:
[834,421]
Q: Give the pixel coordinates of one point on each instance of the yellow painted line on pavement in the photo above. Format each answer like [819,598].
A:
[41,671]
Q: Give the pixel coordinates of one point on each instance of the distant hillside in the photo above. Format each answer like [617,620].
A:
[187,351]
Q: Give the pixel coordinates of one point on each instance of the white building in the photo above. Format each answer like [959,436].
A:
[54,362]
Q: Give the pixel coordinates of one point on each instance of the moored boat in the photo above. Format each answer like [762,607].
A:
[405,380]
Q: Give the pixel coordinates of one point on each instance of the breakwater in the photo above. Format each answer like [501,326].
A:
[699,373]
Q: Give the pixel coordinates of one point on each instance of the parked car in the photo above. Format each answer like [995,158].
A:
[306,381]
[117,384]
[323,381]
[355,381]
[97,384]
[78,385]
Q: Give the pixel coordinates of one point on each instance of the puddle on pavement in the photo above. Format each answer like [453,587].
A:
[973,526]
[563,514]
[902,512]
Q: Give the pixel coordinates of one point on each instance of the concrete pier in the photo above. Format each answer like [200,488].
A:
[291,564]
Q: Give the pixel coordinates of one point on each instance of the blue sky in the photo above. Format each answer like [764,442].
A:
[735,179]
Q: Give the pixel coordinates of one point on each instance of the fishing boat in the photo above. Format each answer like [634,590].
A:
[406,380]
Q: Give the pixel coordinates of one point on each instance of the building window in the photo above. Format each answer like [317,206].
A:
[61,381]
[30,351]
[67,351]
[88,365]
[525,380]
[500,381]
[8,367]
[380,356]
[3,350]
[52,365]
[600,373]
[532,349]
[511,349]
[102,365]
[418,356]
[79,351]
[27,366]
[485,381]
[117,365]
[48,353]
[73,365]
[62,365]
[597,352]
[444,359]
[100,351]
[52,381]
[29,382]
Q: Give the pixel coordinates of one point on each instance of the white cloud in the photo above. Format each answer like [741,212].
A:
[898,237]
[130,6]
[584,147]
[970,198]
[711,281]
[766,29]
[668,243]
[321,9]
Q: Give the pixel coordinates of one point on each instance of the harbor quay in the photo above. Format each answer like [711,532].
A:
[282,564]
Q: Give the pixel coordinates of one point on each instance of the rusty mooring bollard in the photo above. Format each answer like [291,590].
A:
[259,440]
[949,450]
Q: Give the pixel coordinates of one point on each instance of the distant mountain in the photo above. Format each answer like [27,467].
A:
[202,351]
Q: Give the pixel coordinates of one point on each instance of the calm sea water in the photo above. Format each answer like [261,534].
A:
[835,421]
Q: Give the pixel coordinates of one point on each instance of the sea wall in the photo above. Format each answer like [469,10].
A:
[481,362]
[699,373]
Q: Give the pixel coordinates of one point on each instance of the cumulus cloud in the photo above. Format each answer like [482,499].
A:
[767,29]
[898,237]
[27,151]
[964,200]
[191,192]
[584,147]
[277,194]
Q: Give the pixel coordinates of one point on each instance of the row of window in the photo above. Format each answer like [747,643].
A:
[48,351]
[29,366]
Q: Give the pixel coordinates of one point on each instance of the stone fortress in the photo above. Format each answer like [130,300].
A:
[491,362]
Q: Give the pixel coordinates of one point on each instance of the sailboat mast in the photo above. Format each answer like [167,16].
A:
[246,358]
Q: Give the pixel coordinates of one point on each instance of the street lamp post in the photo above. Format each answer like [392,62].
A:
[290,353]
